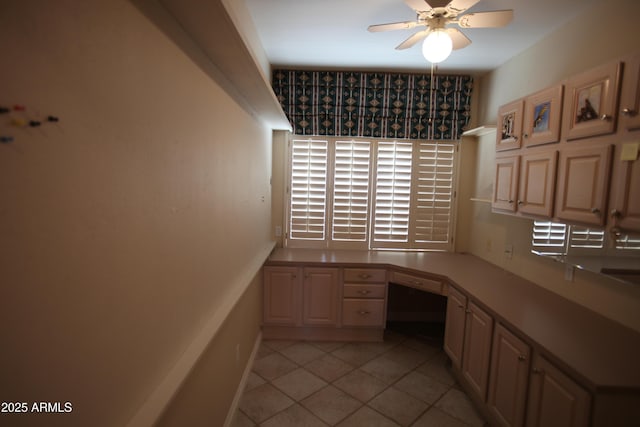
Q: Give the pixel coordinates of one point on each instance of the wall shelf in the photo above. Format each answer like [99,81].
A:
[480,130]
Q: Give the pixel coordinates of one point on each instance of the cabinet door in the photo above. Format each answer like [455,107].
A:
[509,378]
[630,100]
[477,348]
[505,187]
[555,400]
[321,296]
[591,99]
[583,182]
[542,113]
[282,296]
[454,326]
[626,209]
[537,183]
[509,126]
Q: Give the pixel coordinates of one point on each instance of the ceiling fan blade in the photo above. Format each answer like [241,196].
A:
[393,26]
[456,7]
[458,38]
[495,19]
[413,39]
[418,5]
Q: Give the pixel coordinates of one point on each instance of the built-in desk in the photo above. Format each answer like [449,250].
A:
[602,355]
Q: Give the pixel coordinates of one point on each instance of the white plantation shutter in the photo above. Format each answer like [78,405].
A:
[351,191]
[392,194]
[433,195]
[308,189]
[549,237]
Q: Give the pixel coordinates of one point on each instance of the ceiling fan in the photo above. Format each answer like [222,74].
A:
[435,19]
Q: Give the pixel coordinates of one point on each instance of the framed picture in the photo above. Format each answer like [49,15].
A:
[509,132]
[590,102]
[542,113]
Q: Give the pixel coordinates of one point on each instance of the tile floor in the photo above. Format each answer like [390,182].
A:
[403,381]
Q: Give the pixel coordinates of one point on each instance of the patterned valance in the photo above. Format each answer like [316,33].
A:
[381,105]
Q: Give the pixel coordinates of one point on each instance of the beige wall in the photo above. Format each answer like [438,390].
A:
[607,31]
[127,228]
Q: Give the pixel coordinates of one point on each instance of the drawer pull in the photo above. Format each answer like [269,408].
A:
[522,358]
[363,312]
[538,371]
[460,306]
[364,276]
[415,282]
[364,292]
[629,112]
[468,311]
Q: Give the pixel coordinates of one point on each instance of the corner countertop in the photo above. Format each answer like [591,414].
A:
[601,352]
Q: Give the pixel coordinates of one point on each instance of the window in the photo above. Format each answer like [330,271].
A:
[365,194]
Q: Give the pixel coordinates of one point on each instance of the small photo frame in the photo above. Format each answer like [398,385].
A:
[543,112]
[509,132]
[590,102]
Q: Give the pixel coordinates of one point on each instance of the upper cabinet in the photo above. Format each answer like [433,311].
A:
[542,113]
[591,100]
[630,98]
[509,135]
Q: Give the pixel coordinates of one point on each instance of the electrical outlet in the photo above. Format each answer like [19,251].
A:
[508,251]
[278,230]
[568,272]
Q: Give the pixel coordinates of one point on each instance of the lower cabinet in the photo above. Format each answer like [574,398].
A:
[320,295]
[282,296]
[555,399]
[467,340]
[477,348]
[510,359]
[365,293]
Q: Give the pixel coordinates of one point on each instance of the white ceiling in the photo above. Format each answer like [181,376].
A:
[333,33]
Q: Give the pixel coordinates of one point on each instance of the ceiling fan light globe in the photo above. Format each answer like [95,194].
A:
[437,46]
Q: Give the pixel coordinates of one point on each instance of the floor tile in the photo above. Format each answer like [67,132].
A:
[263,402]
[398,406]
[328,346]
[360,385]
[253,381]
[385,370]
[302,353]
[458,405]
[294,416]
[299,384]
[329,367]
[278,345]
[331,405]
[434,417]
[405,356]
[367,417]
[273,366]
[241,420]
[422,387]
[356,354]
[438,368]
[263,351]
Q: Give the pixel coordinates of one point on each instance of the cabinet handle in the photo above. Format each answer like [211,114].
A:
[363,312]
[629,112]
[605,117]
[415,282]
[460,306]
[595,211]
[522,358]
[538,371]
[294,276]
[520,203]
[364,276]
[364,292]
[526,135]
[615,213]
[467,311]
[510,201]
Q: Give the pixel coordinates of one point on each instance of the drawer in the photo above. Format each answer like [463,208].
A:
[367,275]
[364,291]
[363,312]
[429,285]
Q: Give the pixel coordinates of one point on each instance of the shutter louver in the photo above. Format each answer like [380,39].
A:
[308,189]
[549,238]
[587,238]
[433,195]
[392,193]
[351,191]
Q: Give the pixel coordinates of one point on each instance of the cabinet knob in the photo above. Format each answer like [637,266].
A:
[605,117]
[538,371]
[467,311]
[629,112]
[520,203]
[510,201]
[615,213]
[460,306]
[522,357]
[363,312]
[364,276]
[363,292]
[595,211]
[416,282]
[526,135]
[294,276]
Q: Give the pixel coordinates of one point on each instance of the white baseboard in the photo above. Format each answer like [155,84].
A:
[233,409]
